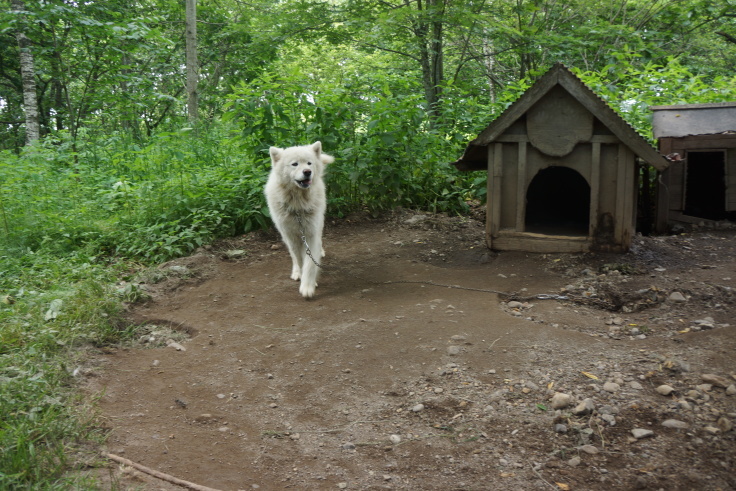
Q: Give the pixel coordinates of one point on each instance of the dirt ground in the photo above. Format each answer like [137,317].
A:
[623,378]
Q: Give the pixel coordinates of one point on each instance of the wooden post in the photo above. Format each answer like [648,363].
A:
[628,216]
[595,186]
[493,191]
[521,188]
[621,193]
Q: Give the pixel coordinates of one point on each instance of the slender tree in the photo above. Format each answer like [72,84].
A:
[28,76]
[191,57]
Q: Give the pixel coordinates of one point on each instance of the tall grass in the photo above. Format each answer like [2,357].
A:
[52,304]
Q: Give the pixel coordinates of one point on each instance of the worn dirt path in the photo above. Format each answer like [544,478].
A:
[415,386]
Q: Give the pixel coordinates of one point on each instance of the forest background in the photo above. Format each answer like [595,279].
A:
[132,132]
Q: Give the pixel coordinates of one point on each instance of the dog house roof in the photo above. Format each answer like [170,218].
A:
[475,156]
[694,119]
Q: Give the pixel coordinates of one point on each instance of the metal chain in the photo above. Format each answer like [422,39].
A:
[306,244]
[507,295]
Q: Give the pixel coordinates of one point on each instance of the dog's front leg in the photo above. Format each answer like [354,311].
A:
[310,270]
[296,251]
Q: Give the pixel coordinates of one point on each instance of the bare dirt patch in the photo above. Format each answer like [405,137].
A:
[411,385]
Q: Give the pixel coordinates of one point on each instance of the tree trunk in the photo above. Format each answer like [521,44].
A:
[28,77]
[192,68]
[428,28]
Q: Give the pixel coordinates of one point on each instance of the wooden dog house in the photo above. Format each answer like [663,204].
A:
[700,184]
[562,170]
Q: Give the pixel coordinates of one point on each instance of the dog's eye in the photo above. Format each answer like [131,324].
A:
[294,164]
[309,163]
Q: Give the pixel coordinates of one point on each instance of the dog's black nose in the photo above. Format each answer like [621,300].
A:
[307,172]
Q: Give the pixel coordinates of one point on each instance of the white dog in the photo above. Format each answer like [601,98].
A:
[295,193]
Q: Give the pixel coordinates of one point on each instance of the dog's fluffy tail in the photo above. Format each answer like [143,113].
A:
[327,159]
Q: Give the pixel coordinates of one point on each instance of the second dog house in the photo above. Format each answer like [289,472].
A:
[562,170]
[700,184]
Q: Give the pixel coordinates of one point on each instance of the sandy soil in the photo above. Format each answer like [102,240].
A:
[415,385]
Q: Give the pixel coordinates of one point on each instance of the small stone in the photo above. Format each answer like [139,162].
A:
[574,462]
[712,430]
[438,390]
[560,400]
[514,304]
[585,407]
[640,433]
[611,387]
[589,449]
[677,297]
[665,390]
[731,390]
[458,337]
[707,323]
[560,428]
[635,385]
[675,424]
[175,345]
[418,408]
[453,350]
[395,439]
[716,380]
[724,424]
[204,418]
[348,446]
[609,418]
[342,485]
[685,405]
[608,409]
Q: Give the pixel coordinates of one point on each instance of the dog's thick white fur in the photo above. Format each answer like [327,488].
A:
[295,193]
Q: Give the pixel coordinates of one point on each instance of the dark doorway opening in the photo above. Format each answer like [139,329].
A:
[705,191]
[558,203]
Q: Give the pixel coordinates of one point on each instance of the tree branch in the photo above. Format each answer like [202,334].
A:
[375,46]
[729,38]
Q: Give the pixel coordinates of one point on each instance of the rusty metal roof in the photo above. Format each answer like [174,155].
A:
[475,154]
[694,119]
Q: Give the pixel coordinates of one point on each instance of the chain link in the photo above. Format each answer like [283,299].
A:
[306,244]
[506,295]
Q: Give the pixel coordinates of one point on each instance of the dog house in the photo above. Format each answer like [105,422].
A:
[562,170]
[700,183]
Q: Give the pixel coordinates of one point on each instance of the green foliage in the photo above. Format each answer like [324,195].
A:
[632,88]
[152,202]
[389,152]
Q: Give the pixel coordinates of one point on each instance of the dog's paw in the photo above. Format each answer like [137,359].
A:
[323,253]
[296,274]
[307,291]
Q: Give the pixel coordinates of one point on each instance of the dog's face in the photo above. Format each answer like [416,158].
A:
[299,165]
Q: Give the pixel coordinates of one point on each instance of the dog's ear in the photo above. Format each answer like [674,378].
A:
[326,159]
[317,148]
[275,154]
